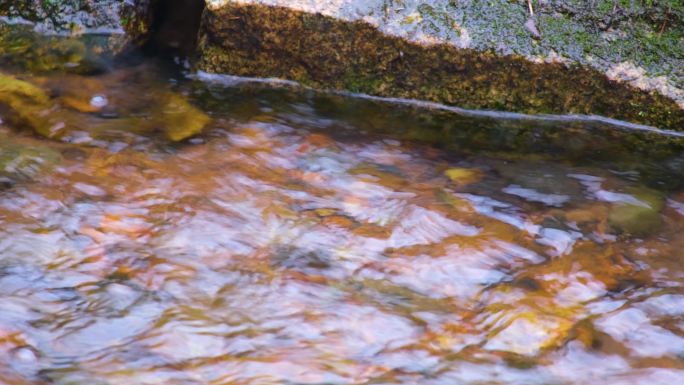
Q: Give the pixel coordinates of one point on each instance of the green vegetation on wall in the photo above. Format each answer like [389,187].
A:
[324,52]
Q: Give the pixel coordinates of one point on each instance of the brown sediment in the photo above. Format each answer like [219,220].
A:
[324,52]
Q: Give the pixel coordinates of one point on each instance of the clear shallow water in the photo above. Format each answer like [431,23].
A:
[305,238]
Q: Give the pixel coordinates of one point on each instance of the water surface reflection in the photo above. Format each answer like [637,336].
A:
[312,239]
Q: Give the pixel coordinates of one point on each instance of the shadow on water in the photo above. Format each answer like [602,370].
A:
[658,157]
[175,27]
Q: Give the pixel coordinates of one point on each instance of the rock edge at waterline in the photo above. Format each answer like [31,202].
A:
[344,45]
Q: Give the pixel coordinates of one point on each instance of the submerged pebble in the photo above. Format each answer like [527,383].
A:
[181,120]
[463,175]
[99,101]
[25,105]
[25,355]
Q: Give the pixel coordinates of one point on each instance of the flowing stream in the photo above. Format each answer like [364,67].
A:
[312,238]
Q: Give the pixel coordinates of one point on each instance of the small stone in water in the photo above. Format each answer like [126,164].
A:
[99,101]
[463,175]
[181,120]
[25,354]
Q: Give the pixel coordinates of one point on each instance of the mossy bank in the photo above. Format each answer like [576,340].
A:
[248,39]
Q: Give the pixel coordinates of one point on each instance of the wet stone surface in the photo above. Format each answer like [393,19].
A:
[471,54]
[308,238]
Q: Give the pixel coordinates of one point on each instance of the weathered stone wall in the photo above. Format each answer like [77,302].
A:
[638,41]
[347,51]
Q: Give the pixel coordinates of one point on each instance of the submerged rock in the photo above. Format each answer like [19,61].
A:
[463,176]
[171,115]
[639,218]
[529,334]
[549,184]
[14,89]
[181,120]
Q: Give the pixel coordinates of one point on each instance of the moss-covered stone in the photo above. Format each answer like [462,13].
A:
[24,105]
[326,52]
[21,163]
[181,120]
[640,218]
[460,175]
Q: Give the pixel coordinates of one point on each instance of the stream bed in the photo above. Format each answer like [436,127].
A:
[299,237]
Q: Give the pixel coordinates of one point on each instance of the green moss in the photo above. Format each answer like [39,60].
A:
[647,33]
[355,82]
[566,36]
[180,120]
[24,104]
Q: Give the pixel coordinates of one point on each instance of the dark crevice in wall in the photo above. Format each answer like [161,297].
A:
[175,27]
[326,53]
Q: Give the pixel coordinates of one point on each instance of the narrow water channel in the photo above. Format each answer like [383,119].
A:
[311,238]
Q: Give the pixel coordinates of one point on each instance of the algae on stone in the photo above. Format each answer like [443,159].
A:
[606,35]
[463,175]
[24,104]
[13,88]
[639,218]
[181,120]
[22,47]
[174,117]
[21,163]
